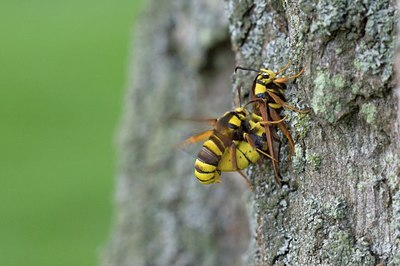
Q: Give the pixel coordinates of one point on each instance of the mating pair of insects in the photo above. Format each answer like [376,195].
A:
[241,137]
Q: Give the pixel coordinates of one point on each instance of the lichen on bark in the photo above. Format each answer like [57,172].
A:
[347,50]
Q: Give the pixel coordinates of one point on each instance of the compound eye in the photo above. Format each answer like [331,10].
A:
[265,76]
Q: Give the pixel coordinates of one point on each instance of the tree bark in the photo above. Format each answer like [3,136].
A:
[340,204]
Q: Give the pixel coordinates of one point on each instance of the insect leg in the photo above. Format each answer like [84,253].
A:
[249,185]
[273,121]
[283,68]
[253,145]
[285,132]
[268,134]
[286,79]
[284,104]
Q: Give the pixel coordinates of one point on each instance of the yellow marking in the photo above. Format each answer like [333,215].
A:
[259,89]
[205,178]
[212,147]
[235,121]
[241,109]
[243,150]
[225,164]
[271,74]
[275,105]
[248,151]
[204,167]
[257,126]
[255,118]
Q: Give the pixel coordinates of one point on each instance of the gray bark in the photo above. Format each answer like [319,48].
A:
[341,201]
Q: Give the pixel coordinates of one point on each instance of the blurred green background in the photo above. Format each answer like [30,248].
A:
[63,65]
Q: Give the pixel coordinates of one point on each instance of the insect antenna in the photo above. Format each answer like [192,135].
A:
[246,69]
[286,79]
[239,94]
[255,100]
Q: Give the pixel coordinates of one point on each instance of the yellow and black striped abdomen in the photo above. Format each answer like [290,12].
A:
[227,129]
[205,166]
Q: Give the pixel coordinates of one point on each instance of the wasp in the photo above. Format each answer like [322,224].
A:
[236,140]
[268,95]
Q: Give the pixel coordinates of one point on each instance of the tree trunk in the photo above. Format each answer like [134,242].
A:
[340,204]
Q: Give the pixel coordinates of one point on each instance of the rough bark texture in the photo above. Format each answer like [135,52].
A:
[341,204]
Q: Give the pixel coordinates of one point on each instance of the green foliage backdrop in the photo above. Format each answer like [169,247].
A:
[62,73]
